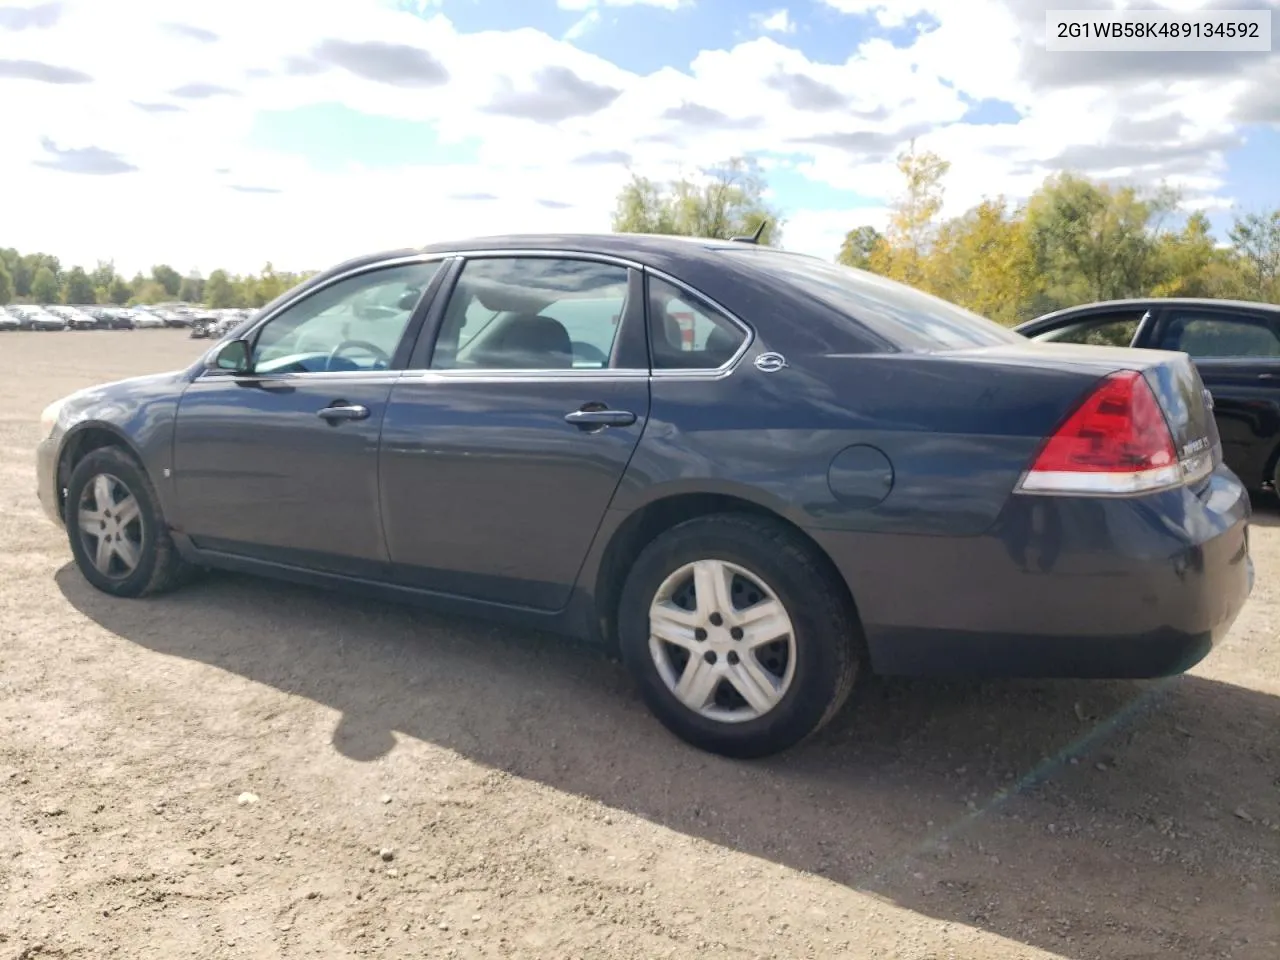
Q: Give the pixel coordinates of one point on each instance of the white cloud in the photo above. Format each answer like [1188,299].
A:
[777,22]
[589,4]
[582,25]
[531,104]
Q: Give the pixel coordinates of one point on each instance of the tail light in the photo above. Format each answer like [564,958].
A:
[1116,442]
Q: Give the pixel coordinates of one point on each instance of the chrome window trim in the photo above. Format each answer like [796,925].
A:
[707,373]
[302,295]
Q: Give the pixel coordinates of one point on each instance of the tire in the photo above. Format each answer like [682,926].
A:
[157,566]
[809,671]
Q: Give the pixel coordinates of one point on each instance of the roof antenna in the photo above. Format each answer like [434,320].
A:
[755,237]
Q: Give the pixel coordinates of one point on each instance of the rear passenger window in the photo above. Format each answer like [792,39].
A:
[1207,336]
[687,335]
[1110,331]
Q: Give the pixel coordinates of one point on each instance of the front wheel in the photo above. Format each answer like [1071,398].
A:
[117,534]
[742,643]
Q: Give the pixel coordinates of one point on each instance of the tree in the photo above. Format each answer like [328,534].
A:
[44,286]
[218,290]
[119,292]
[1192,265]
[192,289]
[167,277]
[912,220]
[6,285]
[102,275]
[722,201]
[983,261]
[77,287]
[1256,237]
[859,243]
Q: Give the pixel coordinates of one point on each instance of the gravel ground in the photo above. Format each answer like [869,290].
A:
[246,769]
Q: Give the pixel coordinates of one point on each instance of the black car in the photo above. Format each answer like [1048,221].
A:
[753,473]
[1235,345]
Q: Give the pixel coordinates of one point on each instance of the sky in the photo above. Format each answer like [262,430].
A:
[230,133]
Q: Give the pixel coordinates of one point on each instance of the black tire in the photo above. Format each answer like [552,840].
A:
[828,640]
[159,567]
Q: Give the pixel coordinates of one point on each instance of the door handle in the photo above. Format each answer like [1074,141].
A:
[341,410]
[1266,376]
[588,419]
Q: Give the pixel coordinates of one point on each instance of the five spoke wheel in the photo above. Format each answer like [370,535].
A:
[110,525]
[722,641]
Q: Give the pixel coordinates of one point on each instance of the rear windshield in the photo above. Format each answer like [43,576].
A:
[907,318]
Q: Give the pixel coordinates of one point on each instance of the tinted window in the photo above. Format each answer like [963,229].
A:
[907,318]
[686,334]
[1220,335]
[1104,331]
[354,324]
[532,313]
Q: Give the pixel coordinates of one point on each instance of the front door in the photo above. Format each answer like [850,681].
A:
[1238,356]
[500,457]
[281,464]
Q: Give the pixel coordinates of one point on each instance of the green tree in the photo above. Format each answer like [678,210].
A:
[102,275]
[913,218]
[219,292]
[44,286]
[1192,265]
[722,201]
[77,287]
[859,243]
[167,277]
[119,292]
[1256,237]
[983,261]
[6,285]
[191,289]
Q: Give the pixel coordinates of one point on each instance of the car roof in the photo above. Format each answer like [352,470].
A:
[1146,303]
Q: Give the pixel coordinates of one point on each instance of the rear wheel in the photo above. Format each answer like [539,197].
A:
[117,534]
[740,641]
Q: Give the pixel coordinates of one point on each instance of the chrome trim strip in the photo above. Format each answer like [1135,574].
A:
[523,376]
[709,373]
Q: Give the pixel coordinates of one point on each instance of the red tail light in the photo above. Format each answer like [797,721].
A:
[1116,442]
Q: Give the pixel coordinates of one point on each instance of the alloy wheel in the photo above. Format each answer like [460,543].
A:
[110,524]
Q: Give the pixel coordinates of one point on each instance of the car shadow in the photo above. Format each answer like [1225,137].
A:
[1022,808]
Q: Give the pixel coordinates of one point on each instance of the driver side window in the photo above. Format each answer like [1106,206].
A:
[354,324]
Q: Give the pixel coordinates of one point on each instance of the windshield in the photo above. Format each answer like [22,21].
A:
[908,318]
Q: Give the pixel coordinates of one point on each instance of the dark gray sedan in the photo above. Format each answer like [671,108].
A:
[751,472]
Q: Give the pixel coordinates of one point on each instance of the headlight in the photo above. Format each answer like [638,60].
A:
[49,416]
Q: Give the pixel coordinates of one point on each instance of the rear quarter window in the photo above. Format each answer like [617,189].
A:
[908,319]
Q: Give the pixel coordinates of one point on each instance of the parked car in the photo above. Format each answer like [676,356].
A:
[753,472]
[146,320]
[38,318]
[9,321]
[76,319]
[1235,345]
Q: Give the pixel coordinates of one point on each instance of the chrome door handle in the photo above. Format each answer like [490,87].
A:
[600,418]
[343,411]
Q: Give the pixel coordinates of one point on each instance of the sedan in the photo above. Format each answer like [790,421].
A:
[1235,345]
[752,473]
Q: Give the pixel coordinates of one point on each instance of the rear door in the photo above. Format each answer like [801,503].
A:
[503,444]
[1237,353]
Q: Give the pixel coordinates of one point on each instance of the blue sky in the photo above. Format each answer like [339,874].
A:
[303,133]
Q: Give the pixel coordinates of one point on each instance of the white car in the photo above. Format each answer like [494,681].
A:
[146,320]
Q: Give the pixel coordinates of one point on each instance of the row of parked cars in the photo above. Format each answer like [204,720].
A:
[56,316]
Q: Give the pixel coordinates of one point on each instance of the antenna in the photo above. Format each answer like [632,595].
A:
[755,237]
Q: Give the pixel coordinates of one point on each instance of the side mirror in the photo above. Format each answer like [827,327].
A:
[232,357]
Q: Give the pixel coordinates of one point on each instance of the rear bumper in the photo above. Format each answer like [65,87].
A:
[1080,587]
[47,479]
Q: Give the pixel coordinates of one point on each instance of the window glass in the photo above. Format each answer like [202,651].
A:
[1220,336]
[907,318]
[1107,331]
[532,313]
[354,324]
[685,336]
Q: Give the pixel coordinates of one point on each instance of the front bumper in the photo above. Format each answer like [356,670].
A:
[47,479]
[1059,587]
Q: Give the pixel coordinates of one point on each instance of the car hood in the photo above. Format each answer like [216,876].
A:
[118,400]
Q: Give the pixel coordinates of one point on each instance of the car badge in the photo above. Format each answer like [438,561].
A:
[770,362]
[1208,399]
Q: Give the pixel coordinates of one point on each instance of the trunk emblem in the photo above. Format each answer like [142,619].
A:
[770,362]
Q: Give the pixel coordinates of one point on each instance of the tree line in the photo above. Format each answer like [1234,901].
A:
[1074,240]
[42,278]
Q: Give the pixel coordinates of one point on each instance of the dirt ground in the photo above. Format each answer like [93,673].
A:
[427,787]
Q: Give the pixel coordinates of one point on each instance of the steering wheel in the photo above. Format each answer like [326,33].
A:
[588,353]
[377,351]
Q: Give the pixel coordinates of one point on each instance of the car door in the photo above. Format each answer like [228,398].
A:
[280,463]
[502,449]
[1237,352]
